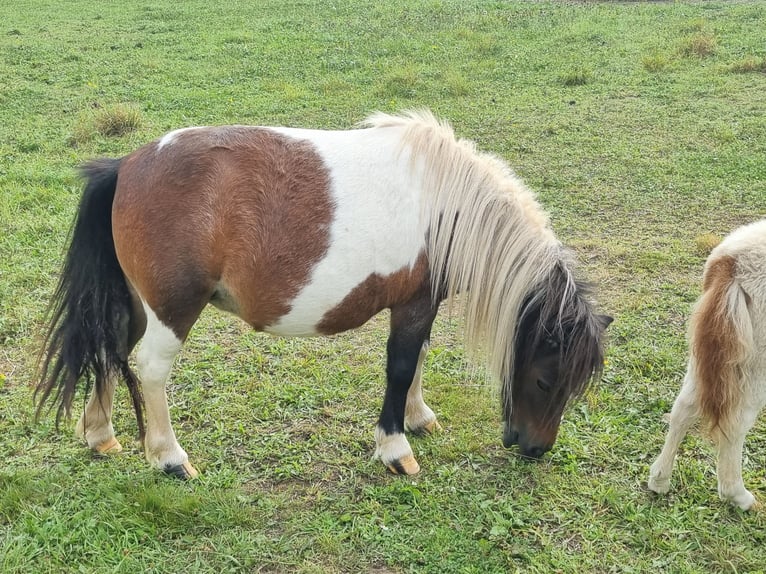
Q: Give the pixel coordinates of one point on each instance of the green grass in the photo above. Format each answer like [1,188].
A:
[640,125]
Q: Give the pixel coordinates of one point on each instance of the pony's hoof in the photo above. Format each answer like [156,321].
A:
[744,501]
[407,465]
[432,427]
[660,486]
[429,428]
[111,446]
[183,471]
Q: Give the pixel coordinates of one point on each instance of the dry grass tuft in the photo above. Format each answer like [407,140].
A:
[701,45]
[110,121]
[117,120]
[749,64]
[655,62]
[577,76]
[706,242]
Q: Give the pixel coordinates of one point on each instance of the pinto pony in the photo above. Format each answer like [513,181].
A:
[725,380]
[306,232]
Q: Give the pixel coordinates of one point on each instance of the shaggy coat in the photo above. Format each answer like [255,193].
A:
[725,381]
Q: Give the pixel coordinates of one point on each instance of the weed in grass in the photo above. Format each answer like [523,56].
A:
[701,45]
[655,62]
[724,134]
[577,76]
[748,65]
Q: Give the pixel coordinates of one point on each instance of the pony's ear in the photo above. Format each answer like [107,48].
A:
[604,321]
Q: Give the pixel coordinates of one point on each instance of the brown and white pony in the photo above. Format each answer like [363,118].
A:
[725,380]
[306,232]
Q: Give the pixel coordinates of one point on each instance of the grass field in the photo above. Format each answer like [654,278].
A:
[642,127]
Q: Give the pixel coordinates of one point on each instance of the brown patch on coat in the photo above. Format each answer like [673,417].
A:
[236,215]
[374,294]
[715,345]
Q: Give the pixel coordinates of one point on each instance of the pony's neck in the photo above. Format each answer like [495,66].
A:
[488,238]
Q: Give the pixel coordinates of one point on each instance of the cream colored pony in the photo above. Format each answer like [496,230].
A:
[726,378]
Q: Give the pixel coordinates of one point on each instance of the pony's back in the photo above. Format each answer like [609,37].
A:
[726,332]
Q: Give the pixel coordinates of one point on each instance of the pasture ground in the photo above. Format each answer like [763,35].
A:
[642,127]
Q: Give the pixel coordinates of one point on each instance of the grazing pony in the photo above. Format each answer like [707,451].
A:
[725,380]
[306,232]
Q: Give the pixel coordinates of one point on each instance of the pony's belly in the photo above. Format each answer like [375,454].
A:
[294,326]
[314,301]
[319,310]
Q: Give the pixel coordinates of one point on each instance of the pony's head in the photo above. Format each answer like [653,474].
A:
[558,351]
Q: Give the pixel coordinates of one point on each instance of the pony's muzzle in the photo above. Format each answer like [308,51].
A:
[512,437]
[534,452]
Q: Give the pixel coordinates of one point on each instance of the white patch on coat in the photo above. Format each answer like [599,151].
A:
[158,349]
[155,357]
[377,222]
[170,137]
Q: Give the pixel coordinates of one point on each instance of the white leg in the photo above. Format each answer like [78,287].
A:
[155,359]
[418,417]
[95,424]
[684,413]
[731,487]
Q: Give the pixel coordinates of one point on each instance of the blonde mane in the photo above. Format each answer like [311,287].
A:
[496,255]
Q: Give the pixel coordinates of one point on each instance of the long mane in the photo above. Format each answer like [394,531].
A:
[488,238]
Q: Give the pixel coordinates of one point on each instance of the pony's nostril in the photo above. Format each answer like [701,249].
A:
[510,438]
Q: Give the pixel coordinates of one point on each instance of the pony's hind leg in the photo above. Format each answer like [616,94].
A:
[154,360]
[95,424]
[418,417]
[684,413]
[410,327]
[731,487]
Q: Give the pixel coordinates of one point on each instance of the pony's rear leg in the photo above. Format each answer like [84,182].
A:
[95,424]
[410,327]
[731,487]
[158,349]
[418,417]
[684,413]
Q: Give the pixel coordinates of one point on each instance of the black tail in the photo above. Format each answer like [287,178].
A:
[90,313]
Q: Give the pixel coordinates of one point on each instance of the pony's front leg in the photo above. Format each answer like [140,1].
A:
[154,360]
[95,424]
[684,413]
[731,487]
[418,417]
[410,327]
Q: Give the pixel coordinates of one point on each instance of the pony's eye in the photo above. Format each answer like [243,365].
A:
[544,386]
